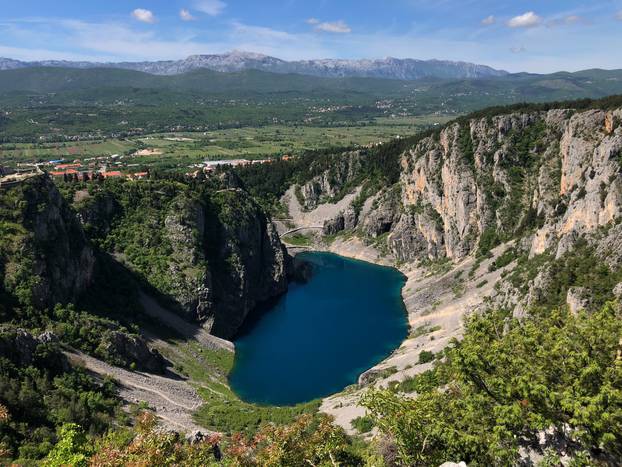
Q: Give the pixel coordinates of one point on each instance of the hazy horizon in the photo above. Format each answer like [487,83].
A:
[530,37]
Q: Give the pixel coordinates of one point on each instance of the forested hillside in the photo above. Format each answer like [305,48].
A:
[58,104]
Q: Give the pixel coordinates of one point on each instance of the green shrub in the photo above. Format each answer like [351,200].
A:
[363,424]
[426,356]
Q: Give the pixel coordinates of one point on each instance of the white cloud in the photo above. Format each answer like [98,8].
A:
[337,27]
[210,7]
[518,49]
[489,20]
[527,20]
[313,21]
[185,15]
[145,16]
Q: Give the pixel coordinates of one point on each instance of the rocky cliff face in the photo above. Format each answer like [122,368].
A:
[551,175]
[188,272]
[556,173]
[212,252]
[47,257]
[226,257]
[331,184]
[248,262]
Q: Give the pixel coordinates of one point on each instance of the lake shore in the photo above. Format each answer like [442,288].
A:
[436,301]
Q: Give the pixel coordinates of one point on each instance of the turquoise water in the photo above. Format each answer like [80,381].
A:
[319,337]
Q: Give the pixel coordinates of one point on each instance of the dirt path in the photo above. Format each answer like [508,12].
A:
[173,400]
[186,329]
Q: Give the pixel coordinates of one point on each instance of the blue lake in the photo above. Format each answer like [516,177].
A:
[319,337]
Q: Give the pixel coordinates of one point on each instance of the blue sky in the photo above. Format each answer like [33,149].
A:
[537,36]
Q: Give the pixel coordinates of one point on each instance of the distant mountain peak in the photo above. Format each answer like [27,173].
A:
[240,60]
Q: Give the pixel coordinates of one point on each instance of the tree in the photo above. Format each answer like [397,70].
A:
[71,448]
[509,380]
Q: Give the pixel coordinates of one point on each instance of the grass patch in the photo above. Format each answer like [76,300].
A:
[424,330]
[363,424]
[298,240]
[231,415]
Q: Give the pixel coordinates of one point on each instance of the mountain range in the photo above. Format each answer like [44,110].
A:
[388,68]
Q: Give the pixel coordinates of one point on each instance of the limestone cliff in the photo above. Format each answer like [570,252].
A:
[478,182]
[249,263]
[488,180]
[210,251]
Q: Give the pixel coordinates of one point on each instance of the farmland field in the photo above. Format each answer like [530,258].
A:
[179,150]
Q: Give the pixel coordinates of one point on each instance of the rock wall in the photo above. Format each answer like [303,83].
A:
[552,175]
[211,251]
[330,184]
[47,257]
[248,262]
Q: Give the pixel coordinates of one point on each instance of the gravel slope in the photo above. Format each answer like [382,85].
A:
[174,400]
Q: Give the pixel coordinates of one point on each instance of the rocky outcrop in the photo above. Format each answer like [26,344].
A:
[48,259]
[210,252]
[248,262]
[22,348]
[18,345]
[226,257]
[132,352]
[331,185]
[190,278]
[479,182]
[578,299]
[383,214]
[334,226]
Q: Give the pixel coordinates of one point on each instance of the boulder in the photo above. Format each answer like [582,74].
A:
[130,349]
[334,226]
[18,346]
[48,337]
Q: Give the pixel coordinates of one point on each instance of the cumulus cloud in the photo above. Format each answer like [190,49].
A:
[337,27]
[526,20]
[210,7]
[489,20]
[185,15]
[145,16]
[313,21]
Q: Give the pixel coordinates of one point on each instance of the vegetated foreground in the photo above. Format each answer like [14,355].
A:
[530,198]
